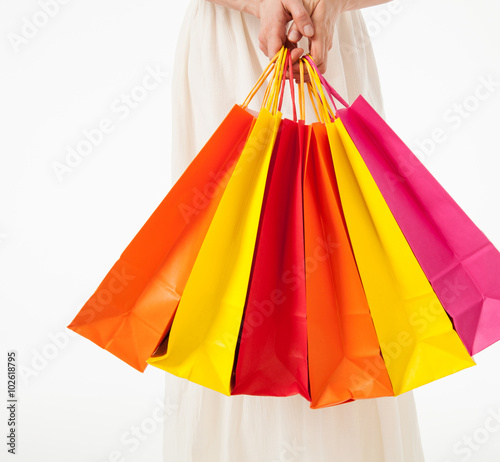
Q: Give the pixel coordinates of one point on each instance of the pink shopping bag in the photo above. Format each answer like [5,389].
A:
[462,265]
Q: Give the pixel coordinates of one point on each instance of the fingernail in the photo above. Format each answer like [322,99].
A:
[294,36]
[308,31]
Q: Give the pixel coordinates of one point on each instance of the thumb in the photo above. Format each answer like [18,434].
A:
[300,17]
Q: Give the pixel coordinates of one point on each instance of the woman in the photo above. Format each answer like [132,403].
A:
[217,62]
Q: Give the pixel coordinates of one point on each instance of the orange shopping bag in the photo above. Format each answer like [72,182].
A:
[345,362]
[133,307]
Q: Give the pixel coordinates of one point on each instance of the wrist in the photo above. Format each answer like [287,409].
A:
[344,5]
[250,6]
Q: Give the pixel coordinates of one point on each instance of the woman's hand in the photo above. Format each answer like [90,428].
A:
[324,14]
[274,17]
[314,19]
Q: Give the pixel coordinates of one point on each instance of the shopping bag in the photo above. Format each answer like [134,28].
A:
[345,361]
[293,276]
[204,333]
[272,352]
[461,263]
[133,306]
[201,344]
[417,339]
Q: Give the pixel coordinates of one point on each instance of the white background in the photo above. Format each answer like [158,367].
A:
[59,239]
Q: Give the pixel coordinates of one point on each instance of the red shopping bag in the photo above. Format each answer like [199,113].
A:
[272,355]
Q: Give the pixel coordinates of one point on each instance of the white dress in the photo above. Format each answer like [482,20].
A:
[217,62]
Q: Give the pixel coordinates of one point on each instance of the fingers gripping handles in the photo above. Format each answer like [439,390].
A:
[317,87]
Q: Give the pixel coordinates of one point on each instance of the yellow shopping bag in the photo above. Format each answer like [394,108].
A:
[417,339]
[203,338]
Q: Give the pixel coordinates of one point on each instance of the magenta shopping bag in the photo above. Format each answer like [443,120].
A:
[457,258]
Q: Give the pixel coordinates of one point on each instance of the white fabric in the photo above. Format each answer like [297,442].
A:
[217,62]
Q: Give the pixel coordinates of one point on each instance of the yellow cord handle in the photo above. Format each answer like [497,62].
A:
[272,102]
[317,95]
[319,108]
[276,69]
[260,82]
[271,96]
